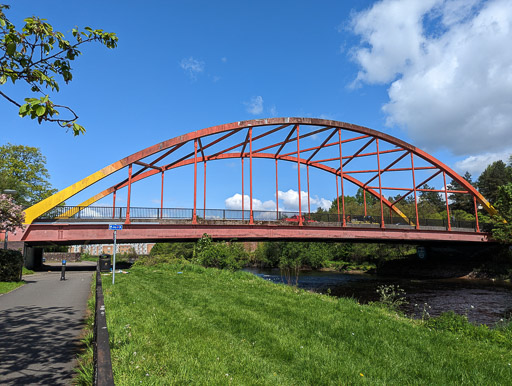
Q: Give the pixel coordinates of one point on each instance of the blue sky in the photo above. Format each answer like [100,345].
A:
[434,73]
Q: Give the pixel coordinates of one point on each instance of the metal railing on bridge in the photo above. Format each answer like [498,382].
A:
[91,213]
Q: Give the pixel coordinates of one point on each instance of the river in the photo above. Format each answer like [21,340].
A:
[483,301]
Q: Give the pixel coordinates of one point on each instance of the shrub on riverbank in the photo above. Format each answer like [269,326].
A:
[182,323]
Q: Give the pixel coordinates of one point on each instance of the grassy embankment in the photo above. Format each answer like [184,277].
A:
[209,326]
[8,286]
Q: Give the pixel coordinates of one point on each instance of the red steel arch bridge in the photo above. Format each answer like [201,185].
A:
[387,170]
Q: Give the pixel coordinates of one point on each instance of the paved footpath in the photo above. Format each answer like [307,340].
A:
[40,326]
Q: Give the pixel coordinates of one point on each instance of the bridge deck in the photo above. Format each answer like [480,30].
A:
[75,232]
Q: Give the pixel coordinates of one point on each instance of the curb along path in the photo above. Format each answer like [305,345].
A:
[40,325]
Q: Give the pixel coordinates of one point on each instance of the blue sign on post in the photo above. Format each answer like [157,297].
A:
[115,228]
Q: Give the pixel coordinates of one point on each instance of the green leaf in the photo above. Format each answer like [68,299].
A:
[24,110]
[3,79]
[11,49]
[2,22]
[78,129]
[40,110]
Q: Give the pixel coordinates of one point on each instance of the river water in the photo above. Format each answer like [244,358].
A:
[483,301]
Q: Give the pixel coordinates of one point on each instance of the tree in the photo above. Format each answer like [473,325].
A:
[11,214]
[431,199]
[495,175]
[23,168]
[37,53]
[502,224]
[460,201]
[405,205]
[370,198]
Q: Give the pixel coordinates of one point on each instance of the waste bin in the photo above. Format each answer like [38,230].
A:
[104,262]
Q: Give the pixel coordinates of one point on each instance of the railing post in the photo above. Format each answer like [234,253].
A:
[162,197]
[277,196]
[204,190]
[364,201]
[298,175]
[337,197]
[194,217]
[251,218]
[446,199]
[129,194]
[341,182]
[243,194]
[414,189]
[380,187]
[114,204]
[309,201]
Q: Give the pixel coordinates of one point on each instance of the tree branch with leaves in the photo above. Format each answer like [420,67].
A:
[36,55]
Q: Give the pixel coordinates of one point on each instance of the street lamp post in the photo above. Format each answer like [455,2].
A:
[10,192]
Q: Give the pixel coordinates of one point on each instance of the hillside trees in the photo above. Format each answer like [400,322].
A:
[35,55]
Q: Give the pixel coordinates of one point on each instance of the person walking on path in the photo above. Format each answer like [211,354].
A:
[40,326]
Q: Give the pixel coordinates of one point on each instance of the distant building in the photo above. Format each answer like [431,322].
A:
[98,249]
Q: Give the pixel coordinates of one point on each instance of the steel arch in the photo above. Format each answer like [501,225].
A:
[282,124]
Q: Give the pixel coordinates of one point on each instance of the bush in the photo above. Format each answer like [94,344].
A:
[11,264]
[176,249]
[220,254]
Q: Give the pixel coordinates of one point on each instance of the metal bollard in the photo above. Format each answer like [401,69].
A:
[63,271]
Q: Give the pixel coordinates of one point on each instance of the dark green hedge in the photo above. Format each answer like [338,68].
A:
[11,263]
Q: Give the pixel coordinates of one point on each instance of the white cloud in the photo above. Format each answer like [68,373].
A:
[255,105]
[273,111]
[224,59]
[477,164]
[449,69]
[235,202]
[290,200]
[192,67]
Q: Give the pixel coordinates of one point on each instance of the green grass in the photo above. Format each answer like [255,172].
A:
[89,258]
[9,286]
[206,326]
[27,271]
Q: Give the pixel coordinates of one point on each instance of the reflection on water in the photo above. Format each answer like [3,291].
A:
[483,301]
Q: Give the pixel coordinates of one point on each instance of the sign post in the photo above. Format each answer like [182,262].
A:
[115,228]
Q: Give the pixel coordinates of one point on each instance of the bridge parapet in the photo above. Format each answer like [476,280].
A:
[77,215]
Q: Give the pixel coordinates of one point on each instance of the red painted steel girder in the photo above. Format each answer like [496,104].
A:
[63,233]
[285,124]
